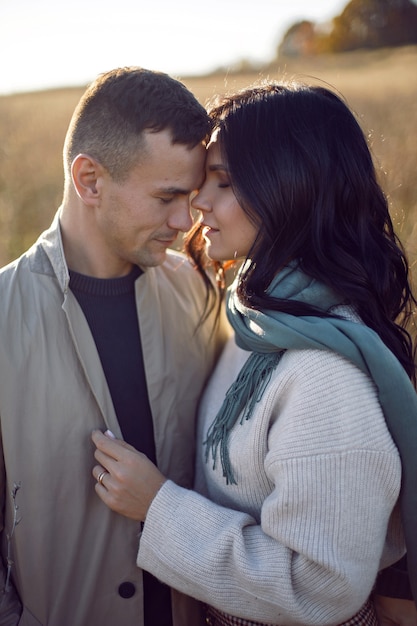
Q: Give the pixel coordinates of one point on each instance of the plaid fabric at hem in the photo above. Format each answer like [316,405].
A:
[365,617]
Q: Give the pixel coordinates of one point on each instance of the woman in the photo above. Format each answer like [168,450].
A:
[296,505]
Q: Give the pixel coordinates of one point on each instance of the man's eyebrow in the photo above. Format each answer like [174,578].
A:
[174,191]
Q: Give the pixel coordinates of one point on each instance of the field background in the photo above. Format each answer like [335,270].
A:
[380,86]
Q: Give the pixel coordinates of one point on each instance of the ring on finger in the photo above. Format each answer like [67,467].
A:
[101,476]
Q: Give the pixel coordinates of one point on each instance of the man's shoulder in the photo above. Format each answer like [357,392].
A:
[11,269]
[179,270]
[44,257]
[178,261]
[176,284]
[33,259]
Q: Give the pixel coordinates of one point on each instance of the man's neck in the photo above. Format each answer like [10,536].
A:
[83,252]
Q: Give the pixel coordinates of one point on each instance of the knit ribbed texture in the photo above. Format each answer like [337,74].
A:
[313,513]
[266,331]
[300,537]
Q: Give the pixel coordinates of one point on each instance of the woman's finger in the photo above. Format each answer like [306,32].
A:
[100,473]
[112,447]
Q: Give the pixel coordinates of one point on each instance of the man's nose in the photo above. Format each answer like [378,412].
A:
[180,217]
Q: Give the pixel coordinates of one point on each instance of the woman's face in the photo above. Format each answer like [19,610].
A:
[229,233]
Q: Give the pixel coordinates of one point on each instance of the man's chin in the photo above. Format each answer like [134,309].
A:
[152,260]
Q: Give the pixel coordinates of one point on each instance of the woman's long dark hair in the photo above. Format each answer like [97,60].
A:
[301,168]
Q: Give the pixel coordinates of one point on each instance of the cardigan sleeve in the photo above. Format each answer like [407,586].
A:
[313,555]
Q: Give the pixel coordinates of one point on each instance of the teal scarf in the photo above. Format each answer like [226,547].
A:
[268,333]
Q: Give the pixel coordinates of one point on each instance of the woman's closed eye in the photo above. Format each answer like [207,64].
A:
[222,180]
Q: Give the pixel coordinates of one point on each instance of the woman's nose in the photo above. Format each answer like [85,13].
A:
[200,202]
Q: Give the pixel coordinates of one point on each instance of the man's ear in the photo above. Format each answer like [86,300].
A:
[85,173]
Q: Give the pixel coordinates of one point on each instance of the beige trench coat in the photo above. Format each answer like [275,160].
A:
[70,553]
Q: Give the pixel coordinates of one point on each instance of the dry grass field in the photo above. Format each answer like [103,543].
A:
[381,86]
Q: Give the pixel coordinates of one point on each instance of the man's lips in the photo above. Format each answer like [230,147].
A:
[166,241]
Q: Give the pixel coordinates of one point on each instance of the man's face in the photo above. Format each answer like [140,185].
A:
[138,219]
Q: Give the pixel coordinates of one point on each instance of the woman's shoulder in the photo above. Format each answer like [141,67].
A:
[320,397]
[323,376]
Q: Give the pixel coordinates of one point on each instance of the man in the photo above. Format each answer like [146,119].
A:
[100,329]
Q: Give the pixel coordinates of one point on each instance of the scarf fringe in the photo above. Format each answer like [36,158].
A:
[240,399]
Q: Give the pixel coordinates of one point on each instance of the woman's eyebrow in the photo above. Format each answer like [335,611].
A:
[215,167]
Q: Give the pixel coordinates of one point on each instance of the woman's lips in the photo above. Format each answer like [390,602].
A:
[209,230]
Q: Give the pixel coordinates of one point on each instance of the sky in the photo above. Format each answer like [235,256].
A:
[61,43]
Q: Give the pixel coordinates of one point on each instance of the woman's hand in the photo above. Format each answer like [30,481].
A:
[127,481]
[395,612]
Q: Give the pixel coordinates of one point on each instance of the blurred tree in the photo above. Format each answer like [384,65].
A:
[299,40]
[362,24]
[374,24]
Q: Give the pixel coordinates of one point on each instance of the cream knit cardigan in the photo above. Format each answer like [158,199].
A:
[313,517]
